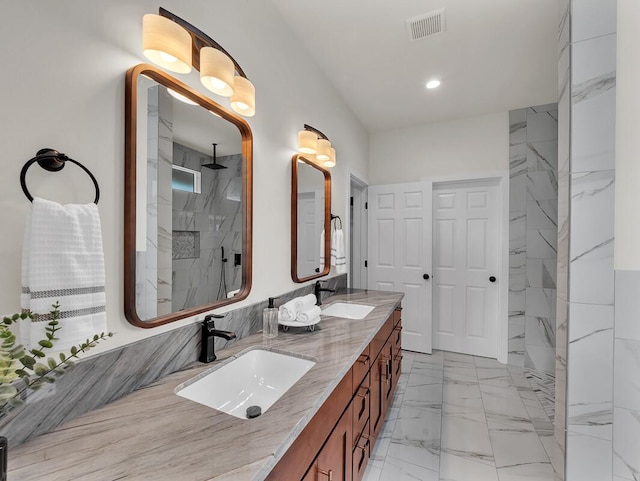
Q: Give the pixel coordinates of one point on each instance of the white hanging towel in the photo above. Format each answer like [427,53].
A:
[322,251]
[63,262]
[338,256]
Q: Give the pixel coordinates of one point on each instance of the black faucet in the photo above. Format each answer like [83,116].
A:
[318,289]
[209,334]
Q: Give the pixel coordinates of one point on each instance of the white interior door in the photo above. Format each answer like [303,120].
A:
[310,214]
[400,254]
[465,267]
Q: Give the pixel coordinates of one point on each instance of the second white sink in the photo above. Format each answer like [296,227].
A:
[348,310]
[257,377]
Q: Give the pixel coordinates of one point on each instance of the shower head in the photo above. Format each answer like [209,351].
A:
[214,165]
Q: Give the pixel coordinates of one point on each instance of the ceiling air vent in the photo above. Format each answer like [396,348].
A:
[426,25]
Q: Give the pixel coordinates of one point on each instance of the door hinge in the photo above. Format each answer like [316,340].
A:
[351,201]
[366,263]
[366,205]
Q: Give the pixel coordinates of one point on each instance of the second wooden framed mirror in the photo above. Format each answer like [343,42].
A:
[310,219]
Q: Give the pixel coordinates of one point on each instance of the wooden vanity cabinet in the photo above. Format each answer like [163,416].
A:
[336,444]
[333,462]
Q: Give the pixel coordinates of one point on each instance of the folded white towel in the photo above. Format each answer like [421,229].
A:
[63,262]
[289,310]
[305,302]
[338,255]
[307,315]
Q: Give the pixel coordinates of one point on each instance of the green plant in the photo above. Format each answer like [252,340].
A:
[23,370]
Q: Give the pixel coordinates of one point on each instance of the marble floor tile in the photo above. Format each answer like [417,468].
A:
[466,418]
[527,472]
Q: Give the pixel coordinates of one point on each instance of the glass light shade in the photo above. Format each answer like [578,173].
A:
[332,158]
[166,43]
[216,71]
[307,142]
[181,97]
[243,100]
[323,153]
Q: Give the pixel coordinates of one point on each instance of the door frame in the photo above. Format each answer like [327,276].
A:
[502,178]
[357,243]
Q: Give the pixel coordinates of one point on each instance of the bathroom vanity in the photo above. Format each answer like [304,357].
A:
[323,427]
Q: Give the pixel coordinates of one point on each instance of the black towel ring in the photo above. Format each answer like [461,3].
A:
[53,161]
[337,219]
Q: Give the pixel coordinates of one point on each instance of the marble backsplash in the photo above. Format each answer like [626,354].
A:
[110,375]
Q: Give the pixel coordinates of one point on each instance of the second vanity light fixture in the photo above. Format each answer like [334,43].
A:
[314,144]
[176,45]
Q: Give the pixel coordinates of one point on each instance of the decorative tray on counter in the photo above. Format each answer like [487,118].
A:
[295,323]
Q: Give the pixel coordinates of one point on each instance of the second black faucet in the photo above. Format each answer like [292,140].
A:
[318,290]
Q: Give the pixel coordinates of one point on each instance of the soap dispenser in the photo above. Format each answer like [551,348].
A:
[270,320]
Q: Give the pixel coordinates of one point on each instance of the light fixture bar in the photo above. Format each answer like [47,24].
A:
[316,131]
[199,39]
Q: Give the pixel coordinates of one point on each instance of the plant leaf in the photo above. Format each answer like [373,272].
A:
[40,369]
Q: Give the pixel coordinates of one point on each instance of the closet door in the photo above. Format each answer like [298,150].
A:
[465,267]
[400,254]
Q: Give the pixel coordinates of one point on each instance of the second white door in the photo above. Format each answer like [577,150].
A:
[465,267]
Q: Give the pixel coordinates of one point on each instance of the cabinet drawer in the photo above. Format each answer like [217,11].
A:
[381,337]
[361,455]
[360,369]
[360,409]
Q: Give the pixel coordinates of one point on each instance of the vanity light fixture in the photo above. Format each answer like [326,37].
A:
[166,41]
[216,71]
[316,147]
[307,142]
[433,84]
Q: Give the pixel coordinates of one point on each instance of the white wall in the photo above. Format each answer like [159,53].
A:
[63,81]
[463,146]
[627,233]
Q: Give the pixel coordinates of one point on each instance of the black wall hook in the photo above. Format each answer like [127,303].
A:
[53,161]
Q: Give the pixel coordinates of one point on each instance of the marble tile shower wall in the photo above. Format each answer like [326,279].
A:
[590,195]
[110,375]
[153,293]
[215,216]
[562,266]
[533,159]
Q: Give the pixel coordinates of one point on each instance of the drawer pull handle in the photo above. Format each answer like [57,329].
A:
[365,360]
[328,474]
[366,443]
[365,394]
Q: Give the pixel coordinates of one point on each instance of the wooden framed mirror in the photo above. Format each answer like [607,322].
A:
[188,202]
[310,219]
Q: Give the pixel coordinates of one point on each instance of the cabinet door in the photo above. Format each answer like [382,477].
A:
[387,371]
[312,474]
[335,458]
[376,404]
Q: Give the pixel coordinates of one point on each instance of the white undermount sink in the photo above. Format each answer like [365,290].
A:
[347,310]
[256,377]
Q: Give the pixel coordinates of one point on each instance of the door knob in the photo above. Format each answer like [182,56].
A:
[425,277]
[492,279]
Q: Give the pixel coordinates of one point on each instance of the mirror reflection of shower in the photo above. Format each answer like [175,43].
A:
[214,165]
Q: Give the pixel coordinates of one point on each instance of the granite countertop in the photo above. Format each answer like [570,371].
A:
[155,434]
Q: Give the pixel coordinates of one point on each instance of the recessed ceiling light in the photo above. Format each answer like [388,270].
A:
[432,84]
